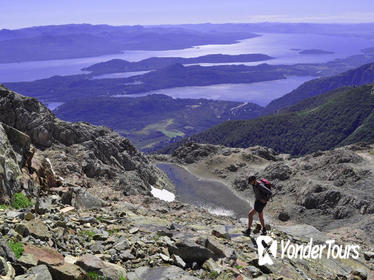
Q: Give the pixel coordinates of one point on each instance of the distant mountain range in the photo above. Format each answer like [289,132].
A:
[85,40]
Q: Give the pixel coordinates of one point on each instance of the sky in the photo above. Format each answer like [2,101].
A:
[24,13]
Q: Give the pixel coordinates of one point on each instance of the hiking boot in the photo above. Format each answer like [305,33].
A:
[247,232]
[257,229]
[263,232]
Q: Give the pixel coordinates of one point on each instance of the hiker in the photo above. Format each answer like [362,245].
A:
[262,194]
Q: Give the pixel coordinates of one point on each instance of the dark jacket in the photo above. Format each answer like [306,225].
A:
[261,192]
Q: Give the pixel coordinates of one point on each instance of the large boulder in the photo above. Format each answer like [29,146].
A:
[191,252]
[83,199]
[38,229]
[92,263]
[44,255]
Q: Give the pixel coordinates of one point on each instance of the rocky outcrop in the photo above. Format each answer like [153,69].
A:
[191,152]
[68,154]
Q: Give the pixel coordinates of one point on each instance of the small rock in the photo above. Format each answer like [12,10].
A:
[212,266]
[221,235]
[178,261]
[22,230]
[165,233]
[368,255]
[29,216]
[67,209]
[283,216]
[165,258]
[134,230]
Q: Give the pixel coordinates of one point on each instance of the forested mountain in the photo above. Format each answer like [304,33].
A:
[341,117]
[360,76]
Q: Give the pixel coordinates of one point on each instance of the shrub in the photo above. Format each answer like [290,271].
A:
[19,201]
[17,248]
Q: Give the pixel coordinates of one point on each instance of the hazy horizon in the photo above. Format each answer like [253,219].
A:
[167,12]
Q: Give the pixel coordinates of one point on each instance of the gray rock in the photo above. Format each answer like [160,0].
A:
[22,230]
[3,267]
[85,200]
[6,252]
[191,252]
[283,216]
[126,255]
[11,214]
[45,205]
[122,244]
[38,229]
[39,272]
[277,170]
[160,273]
[178,261]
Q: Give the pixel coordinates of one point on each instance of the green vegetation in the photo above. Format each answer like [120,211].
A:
[238,267]
[345,117]
[121,277]
[87,233]
[17,248]
[95,276]
[3,206]
[20,201]
[154,120]
[92,275]
[359,76]
[213,275]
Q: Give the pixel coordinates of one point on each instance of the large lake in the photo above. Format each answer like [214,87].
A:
[278,45]
[260,93]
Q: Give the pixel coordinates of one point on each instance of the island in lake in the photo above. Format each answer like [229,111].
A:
[120,65]
[315,51]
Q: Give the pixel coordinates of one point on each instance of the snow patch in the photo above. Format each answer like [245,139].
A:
[50,164]
[220,212]
[162,194]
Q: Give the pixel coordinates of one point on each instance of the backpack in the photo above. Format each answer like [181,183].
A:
[266,183]
[269,186]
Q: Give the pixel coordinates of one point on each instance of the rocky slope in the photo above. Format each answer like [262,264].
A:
[81,154]
[330,190]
